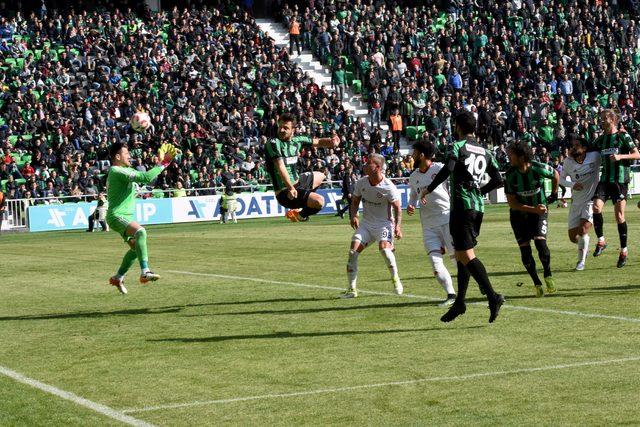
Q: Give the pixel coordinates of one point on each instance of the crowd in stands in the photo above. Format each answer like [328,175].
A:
[214,85]
[535,70]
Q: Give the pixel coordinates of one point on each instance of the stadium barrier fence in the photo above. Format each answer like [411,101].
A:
[158,207]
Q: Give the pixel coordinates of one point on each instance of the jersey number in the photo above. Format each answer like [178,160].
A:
[476,165]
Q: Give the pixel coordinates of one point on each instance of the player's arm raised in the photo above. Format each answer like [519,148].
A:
[355,205]
[292,193]
[397,213]
[332,142]
[166,154]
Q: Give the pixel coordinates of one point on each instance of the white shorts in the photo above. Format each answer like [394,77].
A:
[368,234]
[437,238]
[579,212]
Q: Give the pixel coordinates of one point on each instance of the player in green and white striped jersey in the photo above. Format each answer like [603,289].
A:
[466,164]
[524,187]
[617,150]
[294,191]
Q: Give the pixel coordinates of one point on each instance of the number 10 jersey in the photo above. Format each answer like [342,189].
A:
[472,162]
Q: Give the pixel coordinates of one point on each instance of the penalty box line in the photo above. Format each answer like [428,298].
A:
[385,384]
[80,401]
[364,291]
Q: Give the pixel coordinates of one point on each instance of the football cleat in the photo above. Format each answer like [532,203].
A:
[551,285]
[149,276]
[539,292]
[622,259]
[494,307]
[600,247]
[294,216]
[580,266]
[350,293]
[397,285]
[118,283]
[457,309]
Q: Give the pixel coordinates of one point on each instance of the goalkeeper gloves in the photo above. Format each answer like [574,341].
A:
[166,153]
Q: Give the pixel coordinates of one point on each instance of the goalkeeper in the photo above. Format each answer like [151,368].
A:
[121,193]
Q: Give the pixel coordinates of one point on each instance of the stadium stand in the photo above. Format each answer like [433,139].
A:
[214,84]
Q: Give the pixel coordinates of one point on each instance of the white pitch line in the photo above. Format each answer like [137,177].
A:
[81,401]
[514,307]
[387,384]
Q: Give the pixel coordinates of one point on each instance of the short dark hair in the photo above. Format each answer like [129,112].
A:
[521,149]
[115,149]
[466,121]
[287,117]
[425,147]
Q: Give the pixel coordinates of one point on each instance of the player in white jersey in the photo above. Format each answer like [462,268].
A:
[381,203]
[582,168]
[434,215]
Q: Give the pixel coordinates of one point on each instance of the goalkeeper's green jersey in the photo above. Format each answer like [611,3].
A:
[121,191]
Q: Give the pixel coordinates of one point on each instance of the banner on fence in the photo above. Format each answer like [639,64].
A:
[75,216]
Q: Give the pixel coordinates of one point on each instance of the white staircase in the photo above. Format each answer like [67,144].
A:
[322,75]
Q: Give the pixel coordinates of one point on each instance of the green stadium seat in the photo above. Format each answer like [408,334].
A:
[414,132]
[348,77]
[356,85]
[20,181]
[259,112]
[157,193]
[13,139]
[3,185]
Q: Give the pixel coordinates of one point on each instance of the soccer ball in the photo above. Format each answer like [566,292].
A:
[140,121]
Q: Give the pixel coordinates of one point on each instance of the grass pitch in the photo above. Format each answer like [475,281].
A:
[245,328]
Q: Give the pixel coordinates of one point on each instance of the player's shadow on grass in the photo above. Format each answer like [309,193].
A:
[491,274]
[319,309]
[94,314]
[287,334]
[261,301]
[622,289]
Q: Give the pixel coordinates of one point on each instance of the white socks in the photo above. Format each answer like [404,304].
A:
[583,247]
[390,259]
[442,274]
[352,268]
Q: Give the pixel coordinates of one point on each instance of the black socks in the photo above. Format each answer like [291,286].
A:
[530,264]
